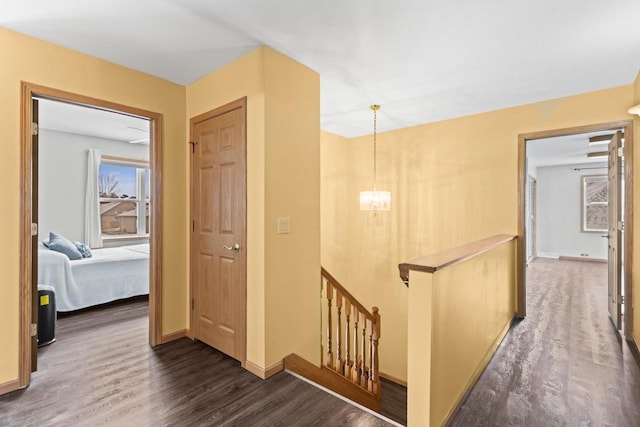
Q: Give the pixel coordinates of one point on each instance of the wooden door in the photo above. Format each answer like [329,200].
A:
[531,209]
[35,302]
[534,217]
[218,209]
[614,235]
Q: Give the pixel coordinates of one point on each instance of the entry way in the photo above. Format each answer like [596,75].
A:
[618,157]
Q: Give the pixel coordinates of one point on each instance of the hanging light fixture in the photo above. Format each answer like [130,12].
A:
[375,200]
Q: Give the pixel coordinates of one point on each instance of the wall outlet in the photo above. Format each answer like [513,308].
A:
[584,254]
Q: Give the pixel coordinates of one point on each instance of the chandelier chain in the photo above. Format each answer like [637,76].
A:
[375,200]
[375,124]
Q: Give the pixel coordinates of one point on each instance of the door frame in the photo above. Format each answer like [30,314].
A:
[627,126]
[533,191]
[233,105]
[28,91]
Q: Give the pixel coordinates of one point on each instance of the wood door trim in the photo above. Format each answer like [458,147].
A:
[29,90]
[627,126]
[173,336]
[9,386]
[24,362]
[231,106]
[35,143]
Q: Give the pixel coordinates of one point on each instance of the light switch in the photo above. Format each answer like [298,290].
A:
[284,225]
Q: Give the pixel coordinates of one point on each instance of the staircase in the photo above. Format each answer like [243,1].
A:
[350,332]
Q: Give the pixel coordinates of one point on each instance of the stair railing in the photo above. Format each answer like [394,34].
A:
[351,333]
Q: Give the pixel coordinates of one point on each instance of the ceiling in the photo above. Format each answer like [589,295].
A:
[81,120]
[423,61]
[565,150]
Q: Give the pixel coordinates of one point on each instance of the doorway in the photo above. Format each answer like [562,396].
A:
[219,229]
[526,140]
[29,214]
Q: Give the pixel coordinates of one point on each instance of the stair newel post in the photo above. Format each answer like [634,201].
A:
[347,339]
[375,335]
[356,357]
[338,365]
[363,362]
[329,328]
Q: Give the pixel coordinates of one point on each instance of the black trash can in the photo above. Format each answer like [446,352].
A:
[46,315]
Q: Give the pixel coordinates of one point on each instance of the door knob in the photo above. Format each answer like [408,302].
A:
[605,235]
[235,248]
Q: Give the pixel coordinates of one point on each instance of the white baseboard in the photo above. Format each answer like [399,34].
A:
[581,258]
[548,255]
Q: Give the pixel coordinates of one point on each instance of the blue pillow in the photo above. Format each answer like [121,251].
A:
[84,249]
[60,244]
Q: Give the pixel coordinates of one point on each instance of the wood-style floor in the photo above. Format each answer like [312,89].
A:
[101,371]
[564,365]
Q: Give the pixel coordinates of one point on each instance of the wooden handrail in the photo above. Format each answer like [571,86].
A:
[345,292]
[440,260]
[356,357]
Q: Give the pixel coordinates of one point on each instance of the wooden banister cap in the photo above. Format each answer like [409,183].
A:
[440,260]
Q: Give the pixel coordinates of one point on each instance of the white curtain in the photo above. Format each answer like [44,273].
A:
[92,231]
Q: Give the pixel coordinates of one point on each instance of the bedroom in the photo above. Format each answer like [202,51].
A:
[94,192]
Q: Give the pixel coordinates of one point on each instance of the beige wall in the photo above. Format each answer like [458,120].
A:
[292,182]
[458,316]
[452,182]
[283,134]
[35,61]
[636,218]
[335,195]
[420,335]
[473,304]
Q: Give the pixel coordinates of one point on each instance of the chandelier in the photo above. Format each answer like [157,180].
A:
[375,200]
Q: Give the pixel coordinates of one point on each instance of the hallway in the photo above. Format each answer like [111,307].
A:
[101,371]
[562,365]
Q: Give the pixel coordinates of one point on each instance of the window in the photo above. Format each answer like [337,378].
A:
[124,188]
[595,195]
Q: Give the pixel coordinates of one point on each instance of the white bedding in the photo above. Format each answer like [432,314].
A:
[111,274]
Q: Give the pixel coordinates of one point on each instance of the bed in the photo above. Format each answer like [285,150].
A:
[110,274]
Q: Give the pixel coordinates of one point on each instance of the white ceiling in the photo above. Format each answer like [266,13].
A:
[424,61]
[565,150]
[71,118]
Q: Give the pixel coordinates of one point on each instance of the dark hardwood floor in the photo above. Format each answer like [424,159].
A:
[101,371]
[564,365]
